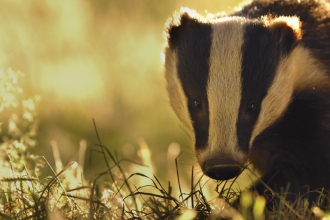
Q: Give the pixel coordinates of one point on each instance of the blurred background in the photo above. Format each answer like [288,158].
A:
[101,60]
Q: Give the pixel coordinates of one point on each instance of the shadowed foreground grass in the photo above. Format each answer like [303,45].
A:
[65,195]
[32,189]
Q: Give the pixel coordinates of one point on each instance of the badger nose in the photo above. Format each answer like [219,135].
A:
[221,168]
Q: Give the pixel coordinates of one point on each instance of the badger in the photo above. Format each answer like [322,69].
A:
[253,86]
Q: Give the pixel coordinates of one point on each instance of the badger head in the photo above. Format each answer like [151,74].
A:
[229,79]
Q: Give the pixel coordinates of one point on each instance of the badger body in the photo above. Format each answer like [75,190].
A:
[254,86]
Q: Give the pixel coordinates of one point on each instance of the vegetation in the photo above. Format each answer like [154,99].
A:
[32,189]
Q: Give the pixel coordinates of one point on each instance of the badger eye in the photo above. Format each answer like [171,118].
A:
[250,107]
[197,104]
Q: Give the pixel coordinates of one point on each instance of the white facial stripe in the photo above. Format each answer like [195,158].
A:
[296,72]
[224,87]
[176,94]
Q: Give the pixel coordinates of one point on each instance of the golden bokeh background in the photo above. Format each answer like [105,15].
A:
[101,60]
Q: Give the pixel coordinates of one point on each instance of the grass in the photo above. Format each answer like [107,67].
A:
[64,195]
[32,189]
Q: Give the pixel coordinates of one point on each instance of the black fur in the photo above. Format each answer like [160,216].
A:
[192,42]
[296,149]
[262,50]
[314,15]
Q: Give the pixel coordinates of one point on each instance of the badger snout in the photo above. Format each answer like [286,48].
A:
[221,168]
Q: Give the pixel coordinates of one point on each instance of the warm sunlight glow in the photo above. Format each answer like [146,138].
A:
[50,41]
[174,149]
[145,154]
[189,214]
[76,79]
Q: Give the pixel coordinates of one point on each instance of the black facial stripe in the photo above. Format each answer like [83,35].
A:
[193,52]
[262,50]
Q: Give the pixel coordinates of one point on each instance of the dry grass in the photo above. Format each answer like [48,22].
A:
[64,195]
[32,189]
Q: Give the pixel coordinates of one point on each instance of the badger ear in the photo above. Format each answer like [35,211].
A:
[287,31]
[176,25]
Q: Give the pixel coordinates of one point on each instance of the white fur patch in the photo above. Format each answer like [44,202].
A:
[177,96]
[224,89]
[296,72]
